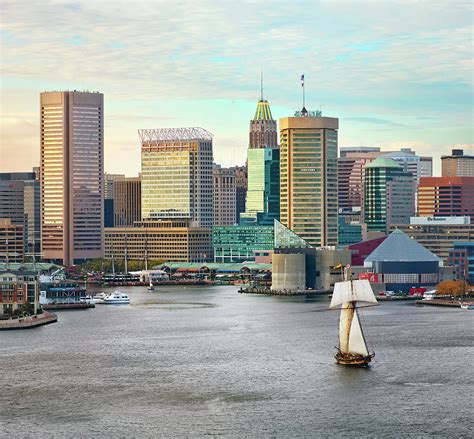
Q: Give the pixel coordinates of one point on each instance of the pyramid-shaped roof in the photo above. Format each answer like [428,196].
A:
[263,111]
[398,246]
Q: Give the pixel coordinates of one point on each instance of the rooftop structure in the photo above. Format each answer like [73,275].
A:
[457,164]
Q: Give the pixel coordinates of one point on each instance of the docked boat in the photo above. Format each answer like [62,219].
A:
[63,295]
[465,305]
[117,298]
[348,295]
[99,298]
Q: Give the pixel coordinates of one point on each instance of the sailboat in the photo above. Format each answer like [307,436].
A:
[347,295]
[150,287]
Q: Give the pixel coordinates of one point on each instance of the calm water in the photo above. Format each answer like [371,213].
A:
[206,361]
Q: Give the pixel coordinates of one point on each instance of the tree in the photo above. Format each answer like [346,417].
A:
[451,288]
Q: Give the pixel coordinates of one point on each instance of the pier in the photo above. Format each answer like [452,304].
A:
[443,302]
[28,322]
[270,292]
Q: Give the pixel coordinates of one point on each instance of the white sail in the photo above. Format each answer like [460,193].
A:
[359,291]
[345,320]
[357,343]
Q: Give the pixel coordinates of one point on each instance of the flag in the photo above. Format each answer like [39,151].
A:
[302,80]
[337,266]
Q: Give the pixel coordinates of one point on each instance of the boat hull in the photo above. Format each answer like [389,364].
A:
[353,359]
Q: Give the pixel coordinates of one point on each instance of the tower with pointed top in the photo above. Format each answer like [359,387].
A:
[263,166]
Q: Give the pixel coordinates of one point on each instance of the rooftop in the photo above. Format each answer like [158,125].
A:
[383,162]
[263,111]
[399,247]
[162,134]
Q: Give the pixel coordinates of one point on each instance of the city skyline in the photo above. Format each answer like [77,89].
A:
[409,83]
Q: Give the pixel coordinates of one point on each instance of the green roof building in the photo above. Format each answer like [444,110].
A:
[263,168]
[389,195]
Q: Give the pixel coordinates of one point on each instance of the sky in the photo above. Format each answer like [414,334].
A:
[395,73]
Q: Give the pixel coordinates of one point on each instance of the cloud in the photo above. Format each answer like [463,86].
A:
[378,65]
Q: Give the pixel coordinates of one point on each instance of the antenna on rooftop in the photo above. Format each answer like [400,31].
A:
[261,85]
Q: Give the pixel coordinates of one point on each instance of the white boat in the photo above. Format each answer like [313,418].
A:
[347,295]
[99,298]
[117,298]
[464,305]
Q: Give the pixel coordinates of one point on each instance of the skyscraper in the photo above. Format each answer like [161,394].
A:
[308,177]
[127,201]
[224,199]
[389,195]
[262,204]
[22,208]
[72,170]
[177,175]
[240,189]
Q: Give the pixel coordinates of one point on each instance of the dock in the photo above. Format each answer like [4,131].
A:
[270,292]
[67,306]
[442,302]
[28,322]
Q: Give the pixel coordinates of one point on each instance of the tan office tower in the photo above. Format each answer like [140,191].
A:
[127,201]
[177,175]
[308,177]
[457,164]
[224,200]
[72,170]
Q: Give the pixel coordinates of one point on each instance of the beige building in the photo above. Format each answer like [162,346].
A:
[457,164]
[169,240]
[224,198]
[127,201]
[72,170]
[12,241]
[308,177]
[18,289]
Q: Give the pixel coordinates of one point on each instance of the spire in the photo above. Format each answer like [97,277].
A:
[261,85]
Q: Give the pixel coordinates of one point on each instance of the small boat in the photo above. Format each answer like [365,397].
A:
[117,298]
[464,305]
[352,349]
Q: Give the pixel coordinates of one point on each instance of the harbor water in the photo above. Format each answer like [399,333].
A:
[207,361]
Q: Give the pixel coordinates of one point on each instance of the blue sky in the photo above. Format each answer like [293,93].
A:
[396,73]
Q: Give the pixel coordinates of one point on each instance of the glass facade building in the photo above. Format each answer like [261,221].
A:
[263,191]
[72,169]
[262,204]
[239,243]
[389,195]
[177,175]
[308,178]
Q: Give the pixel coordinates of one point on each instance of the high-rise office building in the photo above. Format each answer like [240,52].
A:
[72,176]
[240,189]
[12,241]
[177,175]
[446,196]
[389,195]
[23,208]
[350,176]
[262,204]
[224,199]
[457,164]
[308,177]
[127,201]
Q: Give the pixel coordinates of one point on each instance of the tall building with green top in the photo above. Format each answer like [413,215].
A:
[263,166]
[389,195]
